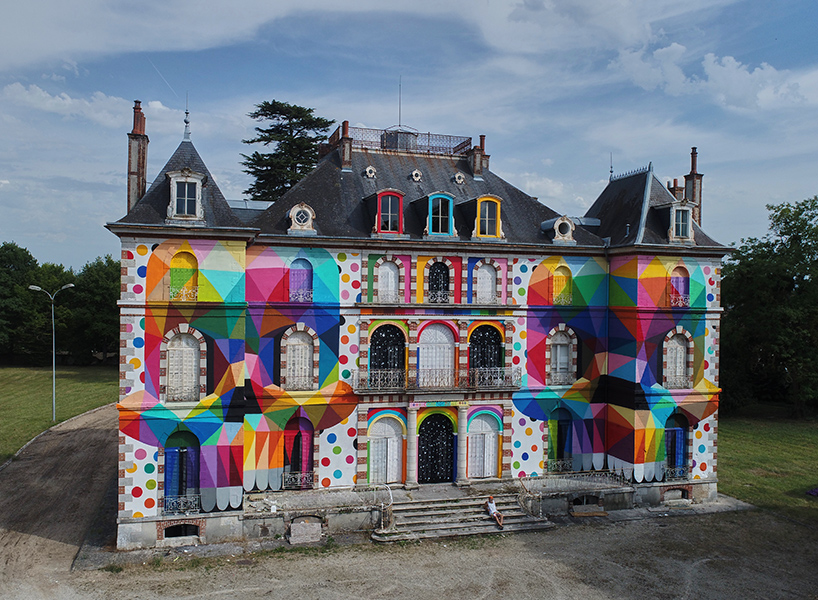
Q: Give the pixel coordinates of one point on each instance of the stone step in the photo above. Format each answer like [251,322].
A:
[451,523]
[456,510]
[499,500]
[489,528]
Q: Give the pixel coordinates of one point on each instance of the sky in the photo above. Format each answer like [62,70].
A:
[560,89]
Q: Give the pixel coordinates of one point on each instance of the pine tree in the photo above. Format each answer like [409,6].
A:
[295,133]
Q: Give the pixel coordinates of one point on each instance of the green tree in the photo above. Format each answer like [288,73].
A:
[95,325]
[295,132]
[770,325]
[18,269]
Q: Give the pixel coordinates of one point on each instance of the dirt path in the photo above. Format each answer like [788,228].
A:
[49,496]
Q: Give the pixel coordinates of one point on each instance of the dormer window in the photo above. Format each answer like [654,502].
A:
[440,215]
[488,218]
[681,223]
[301,220]
[185,195]
[390,213]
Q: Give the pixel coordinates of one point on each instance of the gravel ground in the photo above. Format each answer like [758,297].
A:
[743,555]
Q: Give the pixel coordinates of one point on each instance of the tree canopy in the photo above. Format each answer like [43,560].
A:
[294,133]
[770,326]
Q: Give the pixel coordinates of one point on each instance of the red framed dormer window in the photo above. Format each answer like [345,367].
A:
[390,213]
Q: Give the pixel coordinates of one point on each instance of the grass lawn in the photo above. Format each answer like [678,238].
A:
[770,463]
[25,399]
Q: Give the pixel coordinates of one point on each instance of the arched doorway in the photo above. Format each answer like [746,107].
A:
[486,357]
[387,358]
[386,451]
[181,472]
[436,450]
[298,453]
[483,445]
[561,451]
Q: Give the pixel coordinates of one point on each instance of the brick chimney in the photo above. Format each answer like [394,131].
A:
[346,147]
[693,187]
[676,189]
[137,157]
[478,159]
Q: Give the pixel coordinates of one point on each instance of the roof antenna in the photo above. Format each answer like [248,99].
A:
[187,120]
[400,98]
[610,177]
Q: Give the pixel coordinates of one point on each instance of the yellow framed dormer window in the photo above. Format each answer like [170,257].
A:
[488,218]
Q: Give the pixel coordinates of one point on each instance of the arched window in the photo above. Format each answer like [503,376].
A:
[677,374]
[388,289]
[679,293]
[387,358]
[300,361]
[562,360]
[486,284]
[298,454]
[390,214]
[486,357]
[483,446]
[562,286]
[301,281]
[184,277]
[183,368]
[386,451]
[676,429]
[440,215]
[488,218]
[439,283]
[181,473]
[561,441]
[436,356]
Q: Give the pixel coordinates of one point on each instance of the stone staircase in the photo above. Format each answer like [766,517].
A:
[449,517]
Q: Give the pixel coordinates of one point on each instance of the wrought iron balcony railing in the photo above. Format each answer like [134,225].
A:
[678,382]
[679,300]
[189,394]
[184,293]
[300,295]
[420,379]
[298,382]
[562,378]
[560,465]
[298,480]
[563,299]
[675,473]
[486,298]
[388,297]
[187,504]
[439,297]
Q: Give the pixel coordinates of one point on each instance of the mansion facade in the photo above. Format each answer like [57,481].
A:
[404,316]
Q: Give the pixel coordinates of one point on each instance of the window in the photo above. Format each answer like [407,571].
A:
[387,358]
[390,215]
[483,446]
[439,283]
[560,448]
[677,375]
[488,219]
[486,284]
[301,220]
[440,214]
[676,446]
[562,286]
[436,356]
[183,368]
[184,277]
[298,454]
[300,361]
[386,451]
[181,473]
[185,195]
[486,357]
[300,281]
[388,289]
[679,293]
[681,223]
[561,356]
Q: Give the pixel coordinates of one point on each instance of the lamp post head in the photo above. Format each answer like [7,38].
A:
[66,286]
[35,288]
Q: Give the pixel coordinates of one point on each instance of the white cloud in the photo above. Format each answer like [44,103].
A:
[99,108]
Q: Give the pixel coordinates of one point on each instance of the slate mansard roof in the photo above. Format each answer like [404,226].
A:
[632,210]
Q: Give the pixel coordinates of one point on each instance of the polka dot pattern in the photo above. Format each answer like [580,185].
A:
[704,457]
[526,443]
[141,482]
[338,463]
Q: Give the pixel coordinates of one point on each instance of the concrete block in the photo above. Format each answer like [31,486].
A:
[305,533]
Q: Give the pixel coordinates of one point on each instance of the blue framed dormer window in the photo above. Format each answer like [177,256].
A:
[390,213]
[440,215]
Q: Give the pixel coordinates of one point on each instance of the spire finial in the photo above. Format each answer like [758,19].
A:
[187,121]
[610,177]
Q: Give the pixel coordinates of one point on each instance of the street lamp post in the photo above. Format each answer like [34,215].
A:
[37,288]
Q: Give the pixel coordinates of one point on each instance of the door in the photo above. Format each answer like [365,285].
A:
[436,450]
[483,441]
[436,356]
[386,451]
